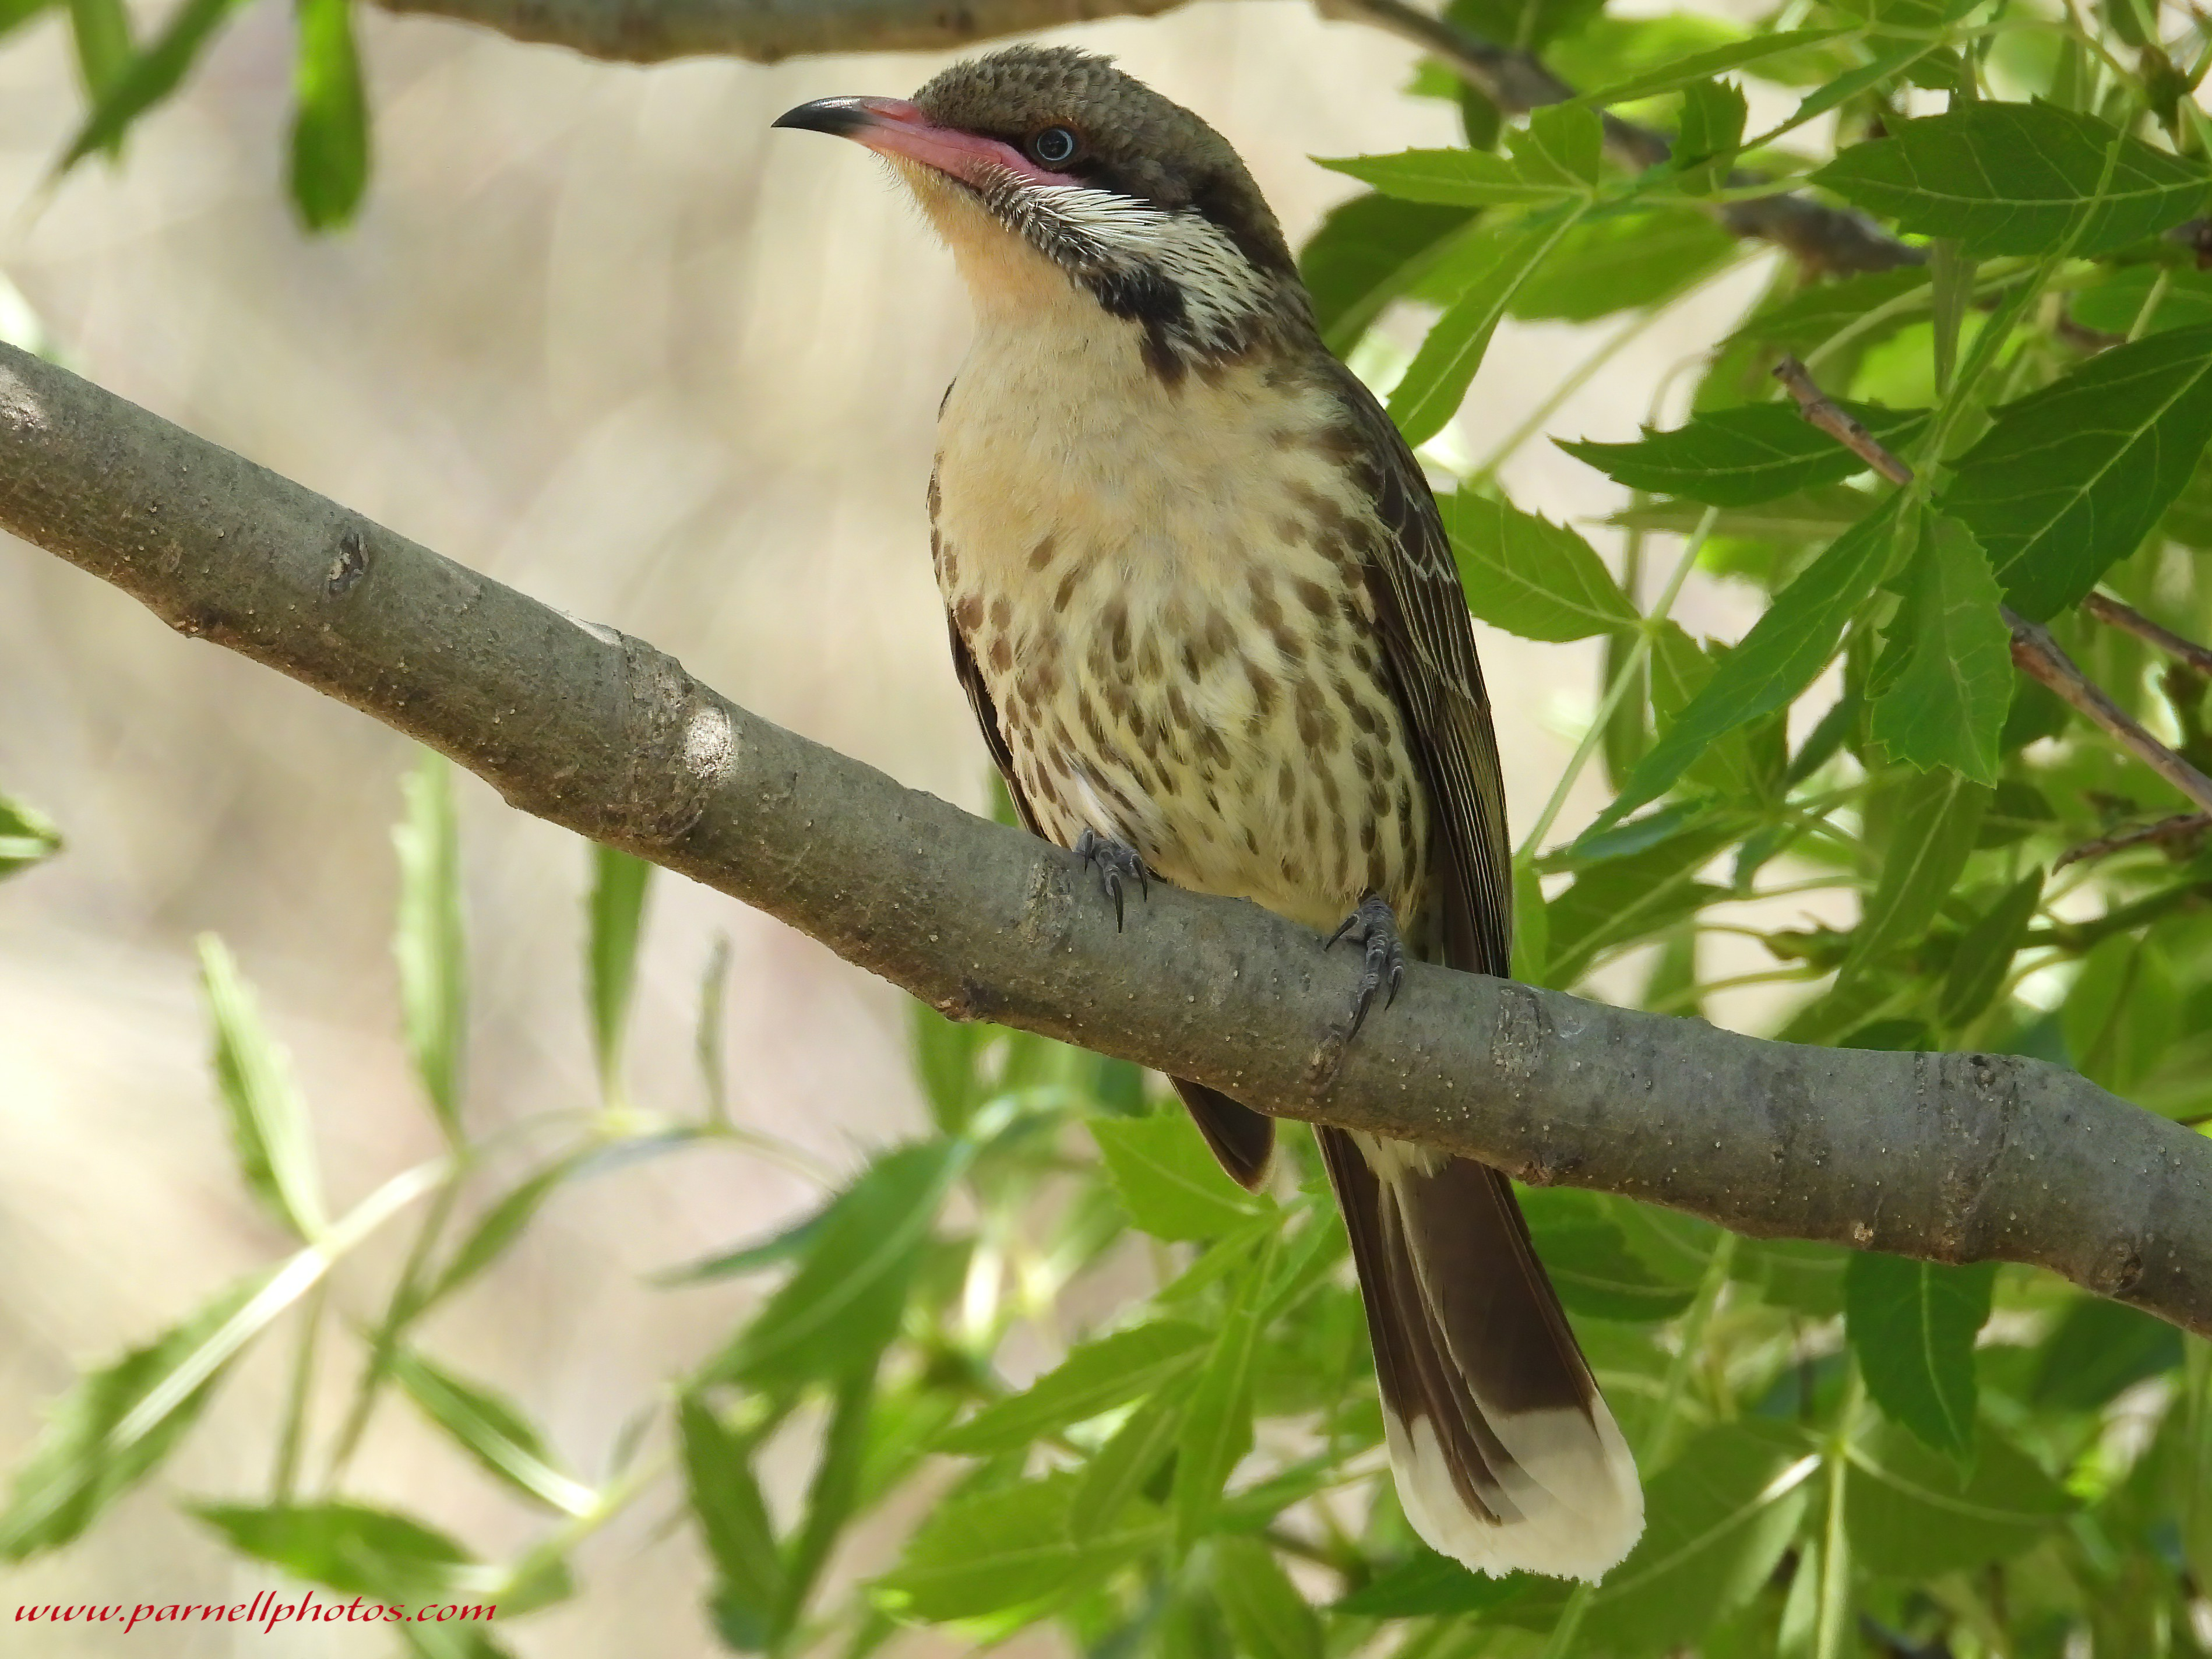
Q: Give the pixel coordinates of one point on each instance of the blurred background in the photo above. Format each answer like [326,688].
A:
[602,334]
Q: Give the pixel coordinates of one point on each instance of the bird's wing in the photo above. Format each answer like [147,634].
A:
[1428,651]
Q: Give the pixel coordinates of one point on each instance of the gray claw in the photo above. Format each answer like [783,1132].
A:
[1383,960]
[1116,864]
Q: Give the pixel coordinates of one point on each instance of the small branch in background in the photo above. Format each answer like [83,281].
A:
[2188,653]
[1824,238]
[2182,827]
[1823,411]
[2041,657]
[2034,652]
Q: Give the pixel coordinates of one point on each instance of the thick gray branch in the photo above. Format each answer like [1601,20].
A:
[769,31]
[1948,1156]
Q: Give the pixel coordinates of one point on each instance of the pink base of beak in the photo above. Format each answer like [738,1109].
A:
[892,126]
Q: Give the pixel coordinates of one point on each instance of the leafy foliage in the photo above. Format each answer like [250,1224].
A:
[1845,1455]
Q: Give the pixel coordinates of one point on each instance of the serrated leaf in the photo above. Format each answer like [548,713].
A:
[1624,261]
[1808,318]
[1626,899]
[429,942]
[733,1523]
[1266,1615]
[125,89]
[330,117]
[1007,1548]
[1455,178]
[1742,456]
[1126,1462]
[1938,816]
[2017,178]
[349,1547]
[1167,1179]
[1717,1520]
[1096,1376]
[1913,1514]
[501,1225]
[269,1131]
[2070,479]
[1701,65]
[1590,1264]
[836,1314]
[89,1454]
[491,1430]
[1713,113]
[1366,252]
[1913,1326]
[1435,382]
[1985,951]
[25,838]
[615,918]
[1944,701]
[1529,576]
[1565,142]
[1785,651]
[1217,1428]
[1428,1585]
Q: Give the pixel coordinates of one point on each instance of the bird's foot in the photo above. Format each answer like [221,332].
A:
[1373,926]
[1116,863]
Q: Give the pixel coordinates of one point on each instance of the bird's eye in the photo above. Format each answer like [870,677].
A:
[1054,147]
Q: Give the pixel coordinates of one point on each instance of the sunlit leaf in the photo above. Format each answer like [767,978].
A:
[429,942]
[492,1429]
[25,838]
[1623,263]
[1167,1179]
[1096,1376]
[1005,1548]
[1266,1615]
[1938,815]
[734,1522]
[330,117]
[1217,1428]
[1743,456]
[1700,66]
[616,914]
[1942,700]
[1367,252]
[349,1547]
[270,1130]
[1528,575]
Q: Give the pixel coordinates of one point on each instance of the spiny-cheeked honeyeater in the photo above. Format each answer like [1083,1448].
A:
[1204,605]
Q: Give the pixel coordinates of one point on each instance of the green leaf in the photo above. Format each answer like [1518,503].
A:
[836,1313]
[126,89]
[1126,1462]
[1626,899]
[1912,1513]
[1623,262]
[831,1495]
[429,942]
[1167,1179]
[1938,815]
[1367,252]
[97,1443]
[1742,456]
[1944,701]
[25,838]
[1217,1430]
[1096,1376]
[1437,380]
[1266,1615]
[1590,1264]
[1526,23]
[1564,141]
[269,1131]
[2099,1349]
[2123,1013]
[330,117]
[733,1523]
[1530,576]
[2017,178]
[1007,1548]
[616,914]
[1718,1519]
[1985,951]
[1913,1326]
[491,1430]
[1426,1585]
[501,1225]
[2071,478]
[1532,931]
[1455,178]
[348,1547]
[1713,113]
[1808,318]
[1702,65]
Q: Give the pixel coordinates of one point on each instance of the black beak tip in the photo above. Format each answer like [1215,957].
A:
[840,117]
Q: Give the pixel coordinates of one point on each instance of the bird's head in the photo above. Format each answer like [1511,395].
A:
[1043,166]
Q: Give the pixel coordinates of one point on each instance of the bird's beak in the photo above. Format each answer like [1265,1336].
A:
[902,130]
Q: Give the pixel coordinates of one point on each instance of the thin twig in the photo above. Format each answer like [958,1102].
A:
[1823,411]
[2182,826]
[2186,652]
[1828,239]
[2041,657]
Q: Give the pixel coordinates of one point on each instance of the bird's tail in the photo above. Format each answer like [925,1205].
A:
[1505,1455]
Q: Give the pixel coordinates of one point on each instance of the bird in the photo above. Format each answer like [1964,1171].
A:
[1202,602]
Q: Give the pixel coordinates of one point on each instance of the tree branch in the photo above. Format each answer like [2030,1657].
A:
[1946,1156]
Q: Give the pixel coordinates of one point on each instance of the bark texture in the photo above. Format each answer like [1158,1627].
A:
[1950,1158]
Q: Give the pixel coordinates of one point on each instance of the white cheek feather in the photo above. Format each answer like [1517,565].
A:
[1219,287]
